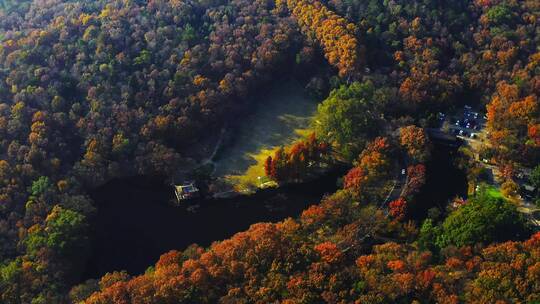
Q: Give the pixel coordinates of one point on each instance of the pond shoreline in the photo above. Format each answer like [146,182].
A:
[136,223]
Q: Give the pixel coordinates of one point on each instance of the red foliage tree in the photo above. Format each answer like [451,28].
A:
[398,208]
[329,252]
[355,179]
[268,166]
[416,178]
[298,161]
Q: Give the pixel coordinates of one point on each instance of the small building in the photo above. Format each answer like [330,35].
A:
[186,191]
[528,192]
[265,182]
[529,188]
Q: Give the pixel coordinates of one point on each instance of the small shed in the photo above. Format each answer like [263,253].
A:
[186,191]
[529,189]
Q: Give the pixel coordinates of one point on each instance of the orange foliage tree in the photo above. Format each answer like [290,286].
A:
[415,141]
[372,166]
[334,33]
[298,161]
[512,121]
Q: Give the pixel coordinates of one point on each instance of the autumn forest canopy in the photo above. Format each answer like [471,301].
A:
[91,91]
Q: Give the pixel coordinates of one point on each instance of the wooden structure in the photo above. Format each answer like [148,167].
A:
[186,191]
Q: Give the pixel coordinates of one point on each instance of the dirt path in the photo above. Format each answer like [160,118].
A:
[210,159]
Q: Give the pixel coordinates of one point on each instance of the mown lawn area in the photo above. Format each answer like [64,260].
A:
[282,115]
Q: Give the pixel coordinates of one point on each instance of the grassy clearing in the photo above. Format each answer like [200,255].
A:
[282,116]
[494,192]
[249,178]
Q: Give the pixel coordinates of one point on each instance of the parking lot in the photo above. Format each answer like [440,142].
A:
[467,124]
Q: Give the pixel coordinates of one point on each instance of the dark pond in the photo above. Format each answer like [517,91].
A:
[444,181]
[135,223]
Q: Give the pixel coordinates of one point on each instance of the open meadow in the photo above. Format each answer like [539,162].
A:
[283,114]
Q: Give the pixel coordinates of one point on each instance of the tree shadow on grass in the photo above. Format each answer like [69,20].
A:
[280,115]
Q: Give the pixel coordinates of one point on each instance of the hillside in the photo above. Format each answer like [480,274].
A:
[96,91]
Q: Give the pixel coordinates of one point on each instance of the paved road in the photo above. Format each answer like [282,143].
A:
[397,190]
[400,180]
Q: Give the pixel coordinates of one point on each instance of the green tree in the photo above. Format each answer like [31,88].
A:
[13,5]
[189,34]
[535,177]
[427,236]
[348,118]
[65,232]
[10,277]
[144,58]
[500,14]
[483,219]
[40,186]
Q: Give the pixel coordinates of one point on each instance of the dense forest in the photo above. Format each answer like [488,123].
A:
[94,90]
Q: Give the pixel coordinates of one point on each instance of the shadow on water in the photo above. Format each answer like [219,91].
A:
[136,223]
[444,181]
